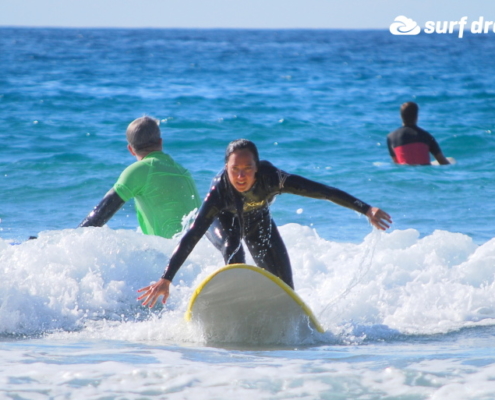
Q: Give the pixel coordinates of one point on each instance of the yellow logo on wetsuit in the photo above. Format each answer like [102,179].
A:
[249,206]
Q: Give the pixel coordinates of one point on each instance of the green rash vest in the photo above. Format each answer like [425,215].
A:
[163,191]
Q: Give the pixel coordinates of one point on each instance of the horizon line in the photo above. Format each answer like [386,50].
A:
[189,27]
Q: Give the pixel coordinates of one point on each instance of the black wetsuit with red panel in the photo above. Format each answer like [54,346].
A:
[412,145]
[228,217]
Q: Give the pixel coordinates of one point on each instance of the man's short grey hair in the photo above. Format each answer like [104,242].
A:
[143,134]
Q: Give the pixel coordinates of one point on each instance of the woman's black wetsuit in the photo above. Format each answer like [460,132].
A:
[233,216]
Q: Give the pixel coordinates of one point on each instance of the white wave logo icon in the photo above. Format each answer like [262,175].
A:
[404,26]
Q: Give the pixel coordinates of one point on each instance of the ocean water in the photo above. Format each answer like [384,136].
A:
[408,314]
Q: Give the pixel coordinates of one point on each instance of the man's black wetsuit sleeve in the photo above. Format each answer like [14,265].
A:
[433,145]
[390,147]
[206,214]
[102,213]
[301,186]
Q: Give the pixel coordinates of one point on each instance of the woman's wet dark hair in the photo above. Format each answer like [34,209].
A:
[241,144]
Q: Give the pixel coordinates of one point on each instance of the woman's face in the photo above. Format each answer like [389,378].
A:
[241,170]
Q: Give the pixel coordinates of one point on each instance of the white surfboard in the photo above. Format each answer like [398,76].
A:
[452,160]
[245,304]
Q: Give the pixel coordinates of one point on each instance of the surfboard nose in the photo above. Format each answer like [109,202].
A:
[243,303]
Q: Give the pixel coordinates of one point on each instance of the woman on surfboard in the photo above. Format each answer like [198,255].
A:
[237,208]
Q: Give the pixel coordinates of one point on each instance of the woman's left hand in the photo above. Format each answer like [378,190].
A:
[379,218]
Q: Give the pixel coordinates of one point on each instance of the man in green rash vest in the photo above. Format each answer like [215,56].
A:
[164,192]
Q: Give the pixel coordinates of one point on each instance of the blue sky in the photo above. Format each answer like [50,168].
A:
[353,14]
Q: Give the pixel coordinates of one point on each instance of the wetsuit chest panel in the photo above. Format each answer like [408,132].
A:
[413,154]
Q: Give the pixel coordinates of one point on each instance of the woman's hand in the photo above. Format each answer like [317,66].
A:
[154,291]
[379,218]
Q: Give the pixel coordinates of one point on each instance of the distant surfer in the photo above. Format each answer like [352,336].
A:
[410,144]
[237,207]
[164,191]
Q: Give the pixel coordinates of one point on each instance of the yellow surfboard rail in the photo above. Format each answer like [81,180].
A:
[273,278]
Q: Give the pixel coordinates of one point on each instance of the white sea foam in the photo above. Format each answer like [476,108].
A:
[85,280]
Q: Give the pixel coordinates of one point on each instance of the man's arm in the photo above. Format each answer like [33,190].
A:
[437,152]
[102,213]
[442,160]
[391,150]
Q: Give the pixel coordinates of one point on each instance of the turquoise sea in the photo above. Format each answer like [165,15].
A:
[408,314]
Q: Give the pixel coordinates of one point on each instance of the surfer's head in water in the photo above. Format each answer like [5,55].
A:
[409,113]
[241,163]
